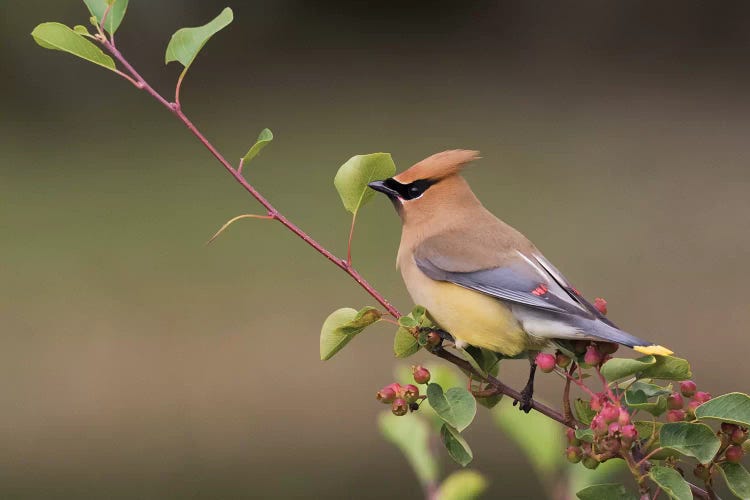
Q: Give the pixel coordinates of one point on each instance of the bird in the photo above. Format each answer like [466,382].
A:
[481,280]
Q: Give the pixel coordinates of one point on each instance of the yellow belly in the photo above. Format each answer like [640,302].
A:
[471,317]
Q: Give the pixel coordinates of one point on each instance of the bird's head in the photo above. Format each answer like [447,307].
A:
[428,185]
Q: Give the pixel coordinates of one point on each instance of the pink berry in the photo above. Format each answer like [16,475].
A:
[421,374]
[597,402]
[399,407]
[675,415]
[411,393]
[601,305]
[599,426]
[610,413]
[687,388]
[546,362]
[734,454]
[613,428]
[592,357]
[628,433]
[675,401]
[739,436]
[692,406]
[388,393]
[624,417]
[701,396]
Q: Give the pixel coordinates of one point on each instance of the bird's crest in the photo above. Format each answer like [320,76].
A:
[438,166]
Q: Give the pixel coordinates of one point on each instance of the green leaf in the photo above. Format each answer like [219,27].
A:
[57,36]
[583,411]
[456,406]
[404,343]
[462,485]
[580,477]
[620,368]
[537,436]
[668,368]
[585,434]
[611,491]
[671,482]
[264,138]
[694,440]
[737,478]
[650,390]
[114,16]
[457,447]
[646,428]
[341,326]
[187,42]
[638,400]
[81,30]
[352,178]
[733,407]
[411,435]
[407,322]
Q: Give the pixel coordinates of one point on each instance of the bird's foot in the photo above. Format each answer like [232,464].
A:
[526,403]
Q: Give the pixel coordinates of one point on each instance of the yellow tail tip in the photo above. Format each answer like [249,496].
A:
[653,349]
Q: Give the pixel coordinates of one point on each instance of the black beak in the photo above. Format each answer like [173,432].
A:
[383,188]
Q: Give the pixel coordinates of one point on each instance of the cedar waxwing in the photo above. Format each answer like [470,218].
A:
[479,278]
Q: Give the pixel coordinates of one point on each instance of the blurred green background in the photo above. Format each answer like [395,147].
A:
[138,362]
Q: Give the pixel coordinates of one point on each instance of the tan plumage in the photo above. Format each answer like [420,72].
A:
[479,278]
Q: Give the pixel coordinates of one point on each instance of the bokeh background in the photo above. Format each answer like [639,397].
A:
[136,362]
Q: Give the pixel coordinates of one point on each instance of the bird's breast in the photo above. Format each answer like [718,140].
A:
[469,316]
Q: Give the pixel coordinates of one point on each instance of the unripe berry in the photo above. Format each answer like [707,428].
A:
[739,436]
[734,454]
[702,472]
[590,462]
[675,415]
[601,305]
[610,413]
[562,360]
[607,348]
[388,393]
[399,407]
[573,454]
[421,374]
[701,396]
[579,346]
[592,357]
[691,406]
[411,393]
[545,362]
[687,388]
[675,401]
[728,428]
[624,418]
[572,439]
[610,444]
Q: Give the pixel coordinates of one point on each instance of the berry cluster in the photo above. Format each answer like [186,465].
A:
[589,353]
[734,438]
[676,402]
[613,433]
[404,398]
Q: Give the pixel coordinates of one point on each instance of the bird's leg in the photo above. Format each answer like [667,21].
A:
[527,394]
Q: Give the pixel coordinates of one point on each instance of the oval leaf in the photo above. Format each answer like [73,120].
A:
[352,178]
[694,440]
[114,16]
[619,368]
[341,326]
[264,138]
[411,435]
[737,478]
[458,449]
[457,407]
[606,492]
[668,368]
[733,407]
[187,42]
[638,400]
[671,482]
[462,485]
[57,36]
[583,411]
[404,343]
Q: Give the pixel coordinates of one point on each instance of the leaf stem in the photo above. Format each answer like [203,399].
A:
[349,244]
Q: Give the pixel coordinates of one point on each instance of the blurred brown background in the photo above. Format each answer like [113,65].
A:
[137,362]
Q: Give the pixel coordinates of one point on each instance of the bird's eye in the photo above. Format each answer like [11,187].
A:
[415,191]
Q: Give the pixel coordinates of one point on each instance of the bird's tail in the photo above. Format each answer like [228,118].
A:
[609,333]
